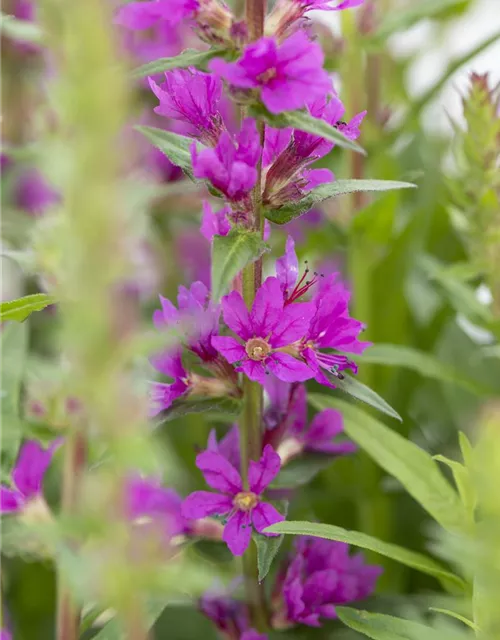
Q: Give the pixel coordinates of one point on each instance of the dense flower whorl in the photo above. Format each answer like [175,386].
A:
[320,575]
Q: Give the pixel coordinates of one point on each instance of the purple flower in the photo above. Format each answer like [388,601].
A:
[5,634]
[266,332]
[215,223]
[318,436]
[27,477]
[243,508]
[33,193]
[228,446]
[321,575]
[138,16]
[147,500]
[162,395]
[330,5]
[332,328]
[199,313]
[193,255]
[251,634]
[192,98]
[287,74]
[290,152]
[231,165]
[229,615]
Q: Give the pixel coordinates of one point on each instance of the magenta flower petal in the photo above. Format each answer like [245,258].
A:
[201,504]
[264,515]
[293,325]
[267,308]
[163,395]
[137,16]
[31,466]
[218,472]
[261,473]
[230,348]
[236,315]
[287,267]
[10,500]
[214,223]
[256,371]
[251,634]
[237,532]
[289,369]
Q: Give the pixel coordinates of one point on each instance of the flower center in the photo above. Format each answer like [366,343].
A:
[257,349]
[268,75]
[245,500]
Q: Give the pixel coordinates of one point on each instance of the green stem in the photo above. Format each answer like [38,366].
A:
[68,614]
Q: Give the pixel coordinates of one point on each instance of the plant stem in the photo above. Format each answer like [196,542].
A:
[68,614]
[251,419]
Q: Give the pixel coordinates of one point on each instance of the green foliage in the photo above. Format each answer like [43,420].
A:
[289,212]
[20,309]
[358,390]
[268,547]
[409,558]
[188,58]
[410,464]
[174,146]
[301,470]
[230,407]
[305,122]
[230,254]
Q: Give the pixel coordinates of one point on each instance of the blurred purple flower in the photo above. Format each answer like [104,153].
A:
[321,575]
[193,254]
[265,332]
[251,634]
[33,194]
[147,499]
[230,616]
[138,16]
[329,5]
[200,315]
[228,446]
[288,74]
[27,476]
[215,223]
[243,509]
[5,634]
[299,227]
[162,395]
[231,165]
[192,98]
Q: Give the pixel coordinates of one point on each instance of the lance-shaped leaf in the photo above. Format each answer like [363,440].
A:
[358,390]
[188,58]
[338,188]
[219,405]
[379,626]
[407,462]
[268,546]
[409,558]
[19,309]
[305,122]
[174,146]
[230,254]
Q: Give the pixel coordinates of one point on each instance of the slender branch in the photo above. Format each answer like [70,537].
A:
[255,11]
[68,614]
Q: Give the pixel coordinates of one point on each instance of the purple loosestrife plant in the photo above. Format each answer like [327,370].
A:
[243,509]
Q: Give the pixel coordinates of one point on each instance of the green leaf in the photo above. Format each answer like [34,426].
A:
[383,627]
[301,470]
[457,616]
[188,58]
[14,343]
[268,546]
[409,558]
[18,310]
[20,29]
[338,188]
[360,391]
[174,146]
[305,122]
[113,629]
[412,466]
[230,254]
[427,365]
[179,408]
[463,481]
[396,21]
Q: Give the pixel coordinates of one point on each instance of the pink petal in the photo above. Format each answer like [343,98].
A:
[230,348]
[287,267]
[267,307]
[294,324]
[10,500]
[264,515]
[255,370]
[236,315]
[289,369]
[205,503]
[261,473]
[137,16]
[326,424]
[30,468]
[237,532]
[219,473]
